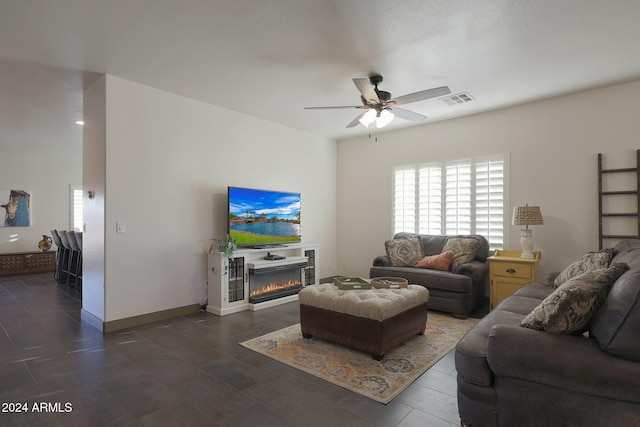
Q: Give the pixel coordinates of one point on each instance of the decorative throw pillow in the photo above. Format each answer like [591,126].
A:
[570,307]
[404,252]
[437,262]
[464,250]
[587,262]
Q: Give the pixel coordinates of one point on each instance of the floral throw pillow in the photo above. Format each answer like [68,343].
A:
[571,306]
[404,252]
[464,250]
[440,262]
[587,262]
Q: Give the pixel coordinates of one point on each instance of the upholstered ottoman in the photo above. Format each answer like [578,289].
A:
[372,320]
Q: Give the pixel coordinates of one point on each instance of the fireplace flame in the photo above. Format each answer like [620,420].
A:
[274,287]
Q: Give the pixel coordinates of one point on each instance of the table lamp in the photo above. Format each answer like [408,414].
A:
[527,215]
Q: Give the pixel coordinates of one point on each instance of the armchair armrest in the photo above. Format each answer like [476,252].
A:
[382,261]
[567,362]
[477,270]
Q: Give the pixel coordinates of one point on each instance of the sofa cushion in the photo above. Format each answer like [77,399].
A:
[431,244]
[535,290]
[404,252]
[436,262]
[627,251]
[464,249]
[616,326]
[572,305]
[431,279]
[519,304]
[587,262]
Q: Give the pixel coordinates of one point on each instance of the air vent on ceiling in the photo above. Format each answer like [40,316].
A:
[458,98]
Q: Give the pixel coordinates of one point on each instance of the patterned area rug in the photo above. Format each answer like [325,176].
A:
[358,371]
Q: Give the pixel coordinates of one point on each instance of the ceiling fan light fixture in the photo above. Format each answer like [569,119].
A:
[384,118]
[368,117]
[378,103]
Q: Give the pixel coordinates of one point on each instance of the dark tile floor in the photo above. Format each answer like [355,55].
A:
[185,371]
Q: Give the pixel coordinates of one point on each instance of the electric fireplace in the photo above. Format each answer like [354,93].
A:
[268,282]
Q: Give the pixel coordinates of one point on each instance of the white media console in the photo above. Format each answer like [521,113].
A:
[230,283]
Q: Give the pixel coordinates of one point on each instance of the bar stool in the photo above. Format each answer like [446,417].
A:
[78,235]
[66,254]
[60,255]
[73,258]
[66,262]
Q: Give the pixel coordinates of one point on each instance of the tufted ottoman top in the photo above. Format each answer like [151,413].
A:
[375,304]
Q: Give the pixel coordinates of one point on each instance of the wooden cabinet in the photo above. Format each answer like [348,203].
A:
[27,262]
[509,272]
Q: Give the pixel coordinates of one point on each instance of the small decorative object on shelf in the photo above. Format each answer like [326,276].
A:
[389,282]
[45,243]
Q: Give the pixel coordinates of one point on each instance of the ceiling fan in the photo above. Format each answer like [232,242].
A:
[380,107]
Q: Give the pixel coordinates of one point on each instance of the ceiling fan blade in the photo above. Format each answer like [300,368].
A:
[356,121]
[408,115]
[333,108]
[420,96]
[366,90]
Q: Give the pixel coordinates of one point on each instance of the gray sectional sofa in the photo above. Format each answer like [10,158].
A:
[459,291]
[509,375]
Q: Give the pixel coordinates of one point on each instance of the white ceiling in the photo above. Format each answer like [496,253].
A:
[271,58]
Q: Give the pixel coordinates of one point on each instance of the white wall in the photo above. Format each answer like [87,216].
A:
[40,146]
[46,168]
[94,178]
[169,160]
[552,144]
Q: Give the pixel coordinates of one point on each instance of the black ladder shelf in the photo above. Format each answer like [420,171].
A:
[602,194]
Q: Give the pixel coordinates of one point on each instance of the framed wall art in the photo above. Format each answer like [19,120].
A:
[17,208]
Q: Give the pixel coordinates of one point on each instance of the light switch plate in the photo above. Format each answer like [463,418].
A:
[121,227]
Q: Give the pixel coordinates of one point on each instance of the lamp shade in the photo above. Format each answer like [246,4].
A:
[368,117]
[527,215]
[384,118]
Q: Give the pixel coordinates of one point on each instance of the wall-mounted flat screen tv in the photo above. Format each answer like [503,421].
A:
[263,218]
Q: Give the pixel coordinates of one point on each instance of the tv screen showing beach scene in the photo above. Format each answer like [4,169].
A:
[263,217]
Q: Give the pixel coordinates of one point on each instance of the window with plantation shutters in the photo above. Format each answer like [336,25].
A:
[404,203]
[429,199]
[490,202]
[455,197]
[75,208]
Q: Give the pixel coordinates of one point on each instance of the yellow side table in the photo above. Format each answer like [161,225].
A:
[509,272]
